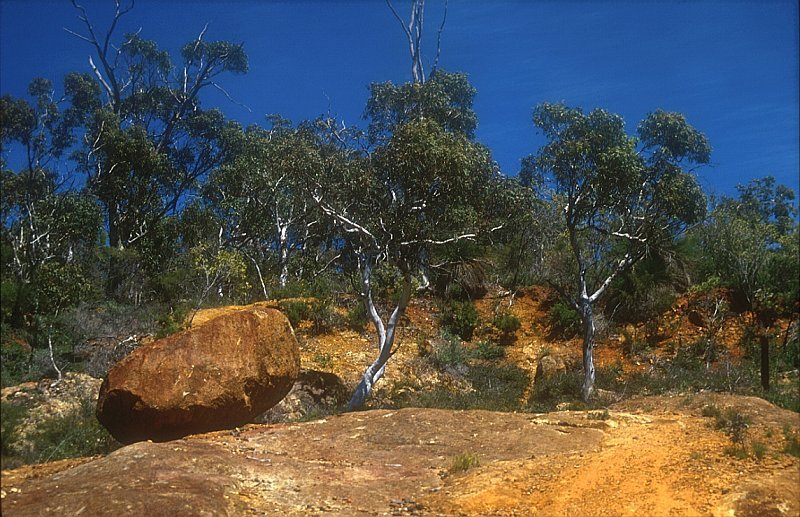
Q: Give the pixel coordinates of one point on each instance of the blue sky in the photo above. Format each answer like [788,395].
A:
[730,66]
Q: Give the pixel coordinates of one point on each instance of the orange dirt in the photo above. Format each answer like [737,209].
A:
[633,460]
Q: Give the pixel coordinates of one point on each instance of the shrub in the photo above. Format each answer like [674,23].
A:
[564,319]
[559,387]
[463,462]
[11,416]
[731,422]
[295,310]
[792,445]
[460,318]
[491,387]
[357,318]
[759,450]
[323,360]
[508,324]
[172,321]
[488,351]
[449,352]
[15,355]
[323,316]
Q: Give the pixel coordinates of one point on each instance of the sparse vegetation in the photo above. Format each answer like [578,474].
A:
[73,434]
[464,462]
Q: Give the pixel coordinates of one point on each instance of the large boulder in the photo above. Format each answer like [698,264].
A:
[219,375]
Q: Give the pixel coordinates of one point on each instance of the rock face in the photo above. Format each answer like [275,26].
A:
[219,375]
[314,392]
[626,461]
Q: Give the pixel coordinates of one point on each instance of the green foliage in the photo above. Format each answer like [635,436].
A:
[751,244]
[357,318]
[445,98]
[759,450]
[172,322]
[488,351]
[730,421]
[323,316]
[644,292]
[563,386]
[449,352]
[11,416]
[792,442]
[460,318]
[506,322]
[492,388]
[463,462]
[72,435]
[323,360]
[295,310]
[564,319]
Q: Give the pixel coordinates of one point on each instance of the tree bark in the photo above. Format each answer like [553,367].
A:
[386,335]
[764,362]
[588,349]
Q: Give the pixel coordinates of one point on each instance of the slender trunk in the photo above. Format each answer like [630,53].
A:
[260,276]
[764,362]
[115,262]
[283,249]
[588,349]
[386,336]
[52,354]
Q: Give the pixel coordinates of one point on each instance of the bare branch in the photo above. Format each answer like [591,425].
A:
[439,39]
[224,92]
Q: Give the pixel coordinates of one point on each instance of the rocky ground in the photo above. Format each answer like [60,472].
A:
[658,455]
[650,456]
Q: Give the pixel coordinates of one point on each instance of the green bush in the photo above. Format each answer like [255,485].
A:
[493,388]
[792,445]
[564,319]
[488,351]
[460,318]
[295,310]
[508,324]
[172,321]
[357,318]
[450,352]
[11,416]
[15,357]
[323,316]
[732,423]
[564,386]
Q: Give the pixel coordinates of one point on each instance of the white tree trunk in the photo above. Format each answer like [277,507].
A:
[386,334]
[283,246]
[587,317]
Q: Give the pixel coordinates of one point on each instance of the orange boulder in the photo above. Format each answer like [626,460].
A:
[219,375]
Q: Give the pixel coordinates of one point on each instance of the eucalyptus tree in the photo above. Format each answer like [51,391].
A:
[260,195]
[621,197]
[47,227]
[750,242]
[150,141]
[423,186]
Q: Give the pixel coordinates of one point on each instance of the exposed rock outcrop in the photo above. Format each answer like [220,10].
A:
[218,375]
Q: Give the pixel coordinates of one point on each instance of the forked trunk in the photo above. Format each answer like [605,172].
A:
[386,335]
